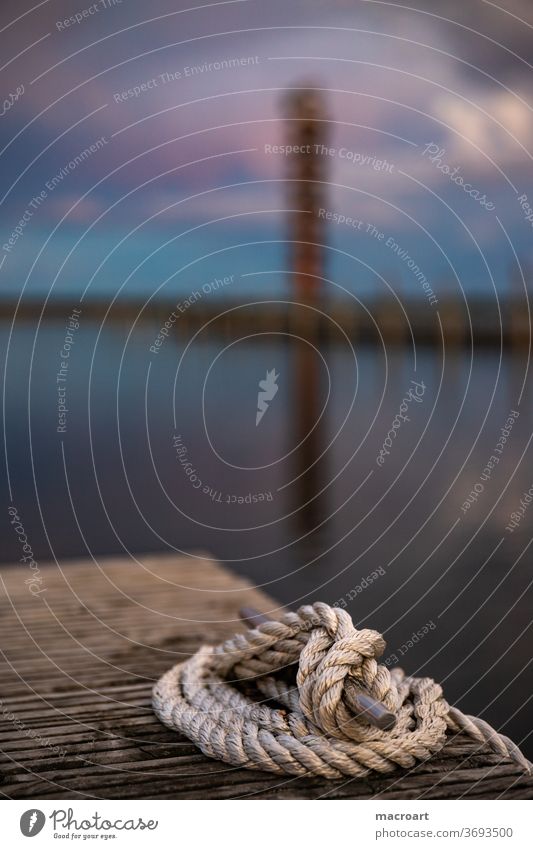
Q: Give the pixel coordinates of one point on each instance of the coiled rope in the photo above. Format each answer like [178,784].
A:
[315,733]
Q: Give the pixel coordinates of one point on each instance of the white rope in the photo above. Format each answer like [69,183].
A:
[314,733]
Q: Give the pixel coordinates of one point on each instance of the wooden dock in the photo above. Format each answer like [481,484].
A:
[78,664]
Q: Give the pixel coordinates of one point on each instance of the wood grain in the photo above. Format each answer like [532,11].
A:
[77,667]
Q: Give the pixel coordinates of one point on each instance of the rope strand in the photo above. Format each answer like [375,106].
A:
[314,733]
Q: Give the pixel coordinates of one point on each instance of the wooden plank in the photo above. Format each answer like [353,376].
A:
[78,664]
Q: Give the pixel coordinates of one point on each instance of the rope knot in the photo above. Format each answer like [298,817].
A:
[335,657]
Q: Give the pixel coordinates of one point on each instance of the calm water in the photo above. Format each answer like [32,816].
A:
[306,522]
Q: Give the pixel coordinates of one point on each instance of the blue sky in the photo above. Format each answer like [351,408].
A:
[182,190]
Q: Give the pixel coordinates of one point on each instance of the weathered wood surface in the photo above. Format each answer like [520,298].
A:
[78,664]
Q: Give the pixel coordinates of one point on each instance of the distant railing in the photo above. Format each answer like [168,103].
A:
[386,321]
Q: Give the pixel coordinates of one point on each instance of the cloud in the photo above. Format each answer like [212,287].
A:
[498,124]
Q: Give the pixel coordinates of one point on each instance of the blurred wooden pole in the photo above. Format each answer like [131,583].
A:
[307,168]
[307,174]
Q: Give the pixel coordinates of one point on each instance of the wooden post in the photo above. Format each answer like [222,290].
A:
[307,169]
[307,172]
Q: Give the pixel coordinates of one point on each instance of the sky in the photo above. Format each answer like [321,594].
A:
[179,187]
